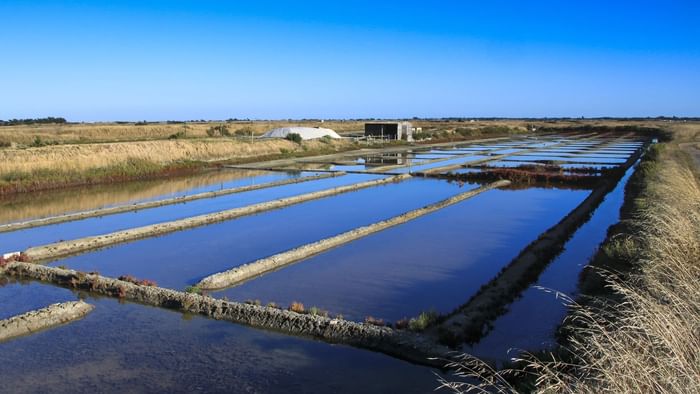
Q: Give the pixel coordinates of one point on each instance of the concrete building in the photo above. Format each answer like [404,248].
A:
[389,130]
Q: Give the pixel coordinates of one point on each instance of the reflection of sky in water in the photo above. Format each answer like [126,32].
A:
[436,261]
[20,240]
[531,320]
[183,258]
[119,347]
[50,203]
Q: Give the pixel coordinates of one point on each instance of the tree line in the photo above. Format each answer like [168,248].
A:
[47,120]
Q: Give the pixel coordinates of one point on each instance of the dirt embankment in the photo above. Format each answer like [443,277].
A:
[51,316]
[66,248]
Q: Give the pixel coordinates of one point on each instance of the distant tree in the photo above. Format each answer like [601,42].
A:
[47,120]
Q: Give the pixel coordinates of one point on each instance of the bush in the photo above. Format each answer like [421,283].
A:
[220,130]
[421,136]
[38,142]
[294,137]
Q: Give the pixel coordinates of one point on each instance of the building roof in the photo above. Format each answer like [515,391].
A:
[306,133]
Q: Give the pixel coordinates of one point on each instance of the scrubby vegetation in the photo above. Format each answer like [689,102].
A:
[132,169]
[294,137]
[219,130]
[193,290]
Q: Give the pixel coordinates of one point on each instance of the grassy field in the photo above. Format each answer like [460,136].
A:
[32,169]
[637,330]
[80,133]
[85,133]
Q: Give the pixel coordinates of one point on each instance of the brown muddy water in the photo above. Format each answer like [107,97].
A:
[436,262]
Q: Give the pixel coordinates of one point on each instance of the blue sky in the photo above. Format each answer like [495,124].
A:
[157,60]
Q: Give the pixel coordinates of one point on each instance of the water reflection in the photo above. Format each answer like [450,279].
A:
[52,203]
[436,261]
[127,347]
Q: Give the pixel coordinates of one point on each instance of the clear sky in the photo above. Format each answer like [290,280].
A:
[158,60]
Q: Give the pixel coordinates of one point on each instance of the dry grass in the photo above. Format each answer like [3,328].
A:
[88,156]
[649,341]
[114,132]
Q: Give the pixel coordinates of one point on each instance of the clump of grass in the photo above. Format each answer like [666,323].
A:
[39,142]
[294,137]
[315,311]
[219,130]
[297,307]
[178,135]
[273,305]
[423,321]
[193,290]
[253,302]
